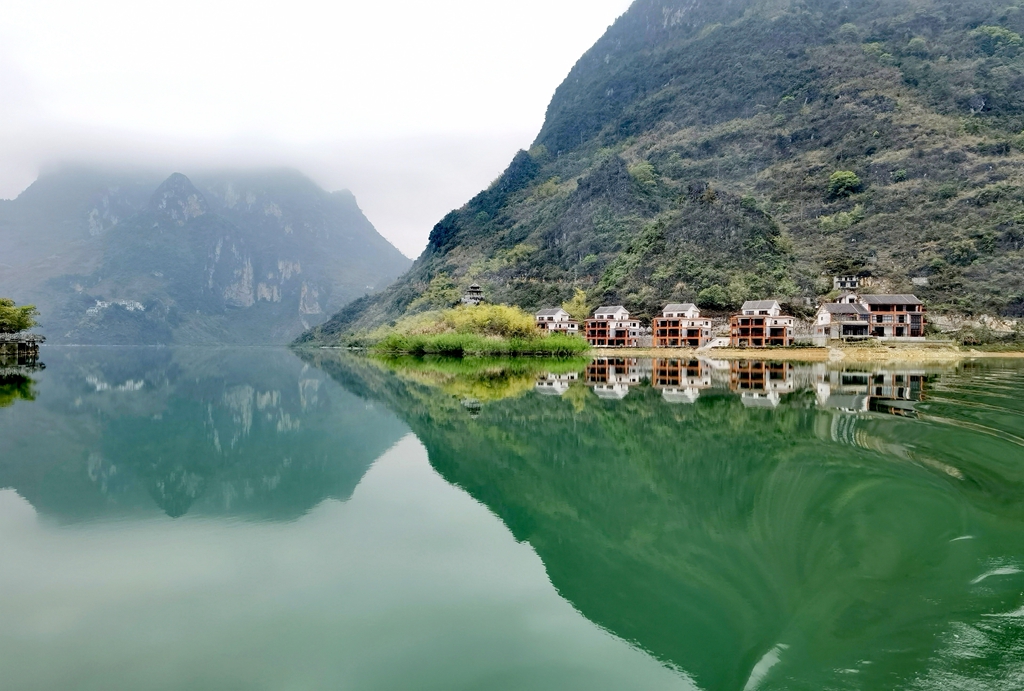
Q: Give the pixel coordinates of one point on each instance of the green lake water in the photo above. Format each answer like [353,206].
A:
[259,519]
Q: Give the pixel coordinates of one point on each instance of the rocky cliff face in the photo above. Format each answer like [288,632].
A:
[235,258]
[689,153]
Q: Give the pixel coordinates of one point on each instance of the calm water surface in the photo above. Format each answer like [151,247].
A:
[249,519]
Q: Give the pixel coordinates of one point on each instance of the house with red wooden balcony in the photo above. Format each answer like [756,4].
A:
[612,327]
[681,326]
[895,316]
[761,324]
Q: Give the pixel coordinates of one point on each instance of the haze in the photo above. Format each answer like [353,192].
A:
[413,106]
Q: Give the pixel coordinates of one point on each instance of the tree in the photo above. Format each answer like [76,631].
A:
[577,307]
[713,297]
[16,319]
[843,183]
[441,293]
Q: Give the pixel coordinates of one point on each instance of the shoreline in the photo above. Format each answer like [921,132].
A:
[891,353]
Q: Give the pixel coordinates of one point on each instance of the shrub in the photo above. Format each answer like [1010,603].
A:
[842,220]
[843,183]
[991,38]
[713,297]
[490,320]
[643,173]
[898,175]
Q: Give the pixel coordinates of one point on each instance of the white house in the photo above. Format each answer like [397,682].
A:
[681,310]
[766,308]
[555,384]
[836,321]
[612,327]
[557,320]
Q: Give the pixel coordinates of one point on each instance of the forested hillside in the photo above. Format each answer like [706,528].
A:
[721,151]
[225,257]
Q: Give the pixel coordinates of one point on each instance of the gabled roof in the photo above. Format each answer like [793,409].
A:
[551,312]
[760,304]
[615,308]
[680,307]
[844,308]
[891,299]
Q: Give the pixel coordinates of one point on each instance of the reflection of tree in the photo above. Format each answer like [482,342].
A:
[482,379]
[15,386]
[709,534]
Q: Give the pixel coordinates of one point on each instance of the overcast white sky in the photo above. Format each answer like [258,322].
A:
[414,106]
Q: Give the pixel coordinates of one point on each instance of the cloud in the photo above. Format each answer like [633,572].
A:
[412,105]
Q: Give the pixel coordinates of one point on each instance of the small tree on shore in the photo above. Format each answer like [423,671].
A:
[577,307]
[14,319]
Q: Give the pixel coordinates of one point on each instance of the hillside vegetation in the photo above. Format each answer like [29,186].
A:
[721,151]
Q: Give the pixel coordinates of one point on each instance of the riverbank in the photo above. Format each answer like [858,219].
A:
[877,353]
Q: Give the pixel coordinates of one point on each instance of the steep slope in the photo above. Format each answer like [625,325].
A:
[691,150]
[241,258]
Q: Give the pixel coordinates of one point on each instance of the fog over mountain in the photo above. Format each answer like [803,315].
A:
[137,257]
[412,106]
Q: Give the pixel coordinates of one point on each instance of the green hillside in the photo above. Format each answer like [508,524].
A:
[692,154]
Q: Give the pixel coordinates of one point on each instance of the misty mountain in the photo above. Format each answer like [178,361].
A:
[690,155]
[225,257]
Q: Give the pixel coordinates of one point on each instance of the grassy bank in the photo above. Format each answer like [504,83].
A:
[482,331]
[477,345]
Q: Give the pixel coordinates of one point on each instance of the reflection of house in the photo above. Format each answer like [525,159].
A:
[680,381]
[557,320]
[555,384]
[681,326]
[761,384]
[841,320]
[473,296]
[612,377]
[761,323]
[889,391]
[611,327]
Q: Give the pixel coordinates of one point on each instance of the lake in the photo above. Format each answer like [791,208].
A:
[260,519]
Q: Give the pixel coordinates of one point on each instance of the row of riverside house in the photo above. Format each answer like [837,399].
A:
[760,323]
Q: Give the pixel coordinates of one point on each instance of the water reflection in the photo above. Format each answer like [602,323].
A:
[755,524]
[759,383]
[244,432]
[16,368]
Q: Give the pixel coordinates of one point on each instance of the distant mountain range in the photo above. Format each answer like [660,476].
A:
[690,155]
[228,257]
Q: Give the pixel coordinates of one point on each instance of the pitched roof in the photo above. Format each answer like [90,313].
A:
[551,312]
[902,299]
[680,307]
[614,308]
[845,308]
[760,304]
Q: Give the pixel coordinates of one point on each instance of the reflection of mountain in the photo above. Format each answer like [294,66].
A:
[742,543]
[237,431]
